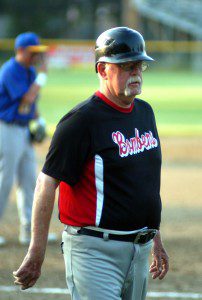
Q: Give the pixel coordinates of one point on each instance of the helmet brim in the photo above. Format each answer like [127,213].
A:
[124,58]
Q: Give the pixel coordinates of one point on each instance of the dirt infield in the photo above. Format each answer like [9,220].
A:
[181,226]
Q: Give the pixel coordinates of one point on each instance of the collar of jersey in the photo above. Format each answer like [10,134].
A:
[112,104]
[20,66]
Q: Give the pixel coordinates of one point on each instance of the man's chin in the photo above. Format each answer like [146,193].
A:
[131,92]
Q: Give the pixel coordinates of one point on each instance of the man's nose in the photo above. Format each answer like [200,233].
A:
[136,70]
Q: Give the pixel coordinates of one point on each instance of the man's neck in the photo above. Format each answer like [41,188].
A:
[20,60]
[122,101]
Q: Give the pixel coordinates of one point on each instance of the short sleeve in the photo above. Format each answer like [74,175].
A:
[154,121]
[70,148]
[15,84]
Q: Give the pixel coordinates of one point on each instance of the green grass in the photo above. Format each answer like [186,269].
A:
[176,97]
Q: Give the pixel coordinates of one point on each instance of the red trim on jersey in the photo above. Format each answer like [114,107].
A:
[112,104]
[77,204]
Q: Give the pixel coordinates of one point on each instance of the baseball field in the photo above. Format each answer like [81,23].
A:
[177,101]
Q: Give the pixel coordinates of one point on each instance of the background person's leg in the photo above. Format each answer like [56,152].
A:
[10,150]
[26,180]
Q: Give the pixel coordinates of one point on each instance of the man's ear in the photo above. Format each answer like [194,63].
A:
[101,68]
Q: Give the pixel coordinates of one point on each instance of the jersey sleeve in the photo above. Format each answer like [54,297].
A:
[69,149]
[15,85]
[151,116]
[154,122]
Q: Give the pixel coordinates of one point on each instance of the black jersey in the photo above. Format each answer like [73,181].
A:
[108,161]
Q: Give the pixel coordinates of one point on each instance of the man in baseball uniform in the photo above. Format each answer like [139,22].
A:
[19,90]
[105,157]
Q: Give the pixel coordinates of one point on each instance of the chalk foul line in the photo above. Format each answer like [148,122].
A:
[65,291]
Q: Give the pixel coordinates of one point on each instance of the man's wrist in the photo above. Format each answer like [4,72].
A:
[41,79]
[157,238]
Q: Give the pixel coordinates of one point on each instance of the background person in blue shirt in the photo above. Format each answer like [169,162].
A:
[19,90]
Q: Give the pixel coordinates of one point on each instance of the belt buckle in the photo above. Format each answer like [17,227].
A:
[139,235]
[137,238]
[150,233]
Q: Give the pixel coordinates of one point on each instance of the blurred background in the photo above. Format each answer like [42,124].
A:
[172,30]
[172,27]
[173,85]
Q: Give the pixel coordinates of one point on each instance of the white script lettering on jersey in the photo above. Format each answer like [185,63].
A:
[135,144]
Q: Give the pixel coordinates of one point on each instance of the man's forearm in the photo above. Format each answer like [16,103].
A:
[30,269]
[42,210]
[39,82]
[31,95]
[34,89]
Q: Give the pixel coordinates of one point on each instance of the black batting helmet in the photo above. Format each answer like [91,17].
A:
[120,44]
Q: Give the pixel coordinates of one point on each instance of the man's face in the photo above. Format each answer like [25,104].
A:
[125,79]
[30,58]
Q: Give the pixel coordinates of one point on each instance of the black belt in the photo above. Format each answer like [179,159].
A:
[137,238]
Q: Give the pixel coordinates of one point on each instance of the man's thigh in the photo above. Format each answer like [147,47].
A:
[137,287]
[96,269]
[9,147]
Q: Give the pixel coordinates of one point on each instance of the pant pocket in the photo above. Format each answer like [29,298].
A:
[61,246]
[66,246]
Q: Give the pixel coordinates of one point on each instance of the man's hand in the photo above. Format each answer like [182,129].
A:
[42,63]
[29,271]
[160,264]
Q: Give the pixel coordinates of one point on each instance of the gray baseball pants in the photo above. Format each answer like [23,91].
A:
[17,163]
[101,270]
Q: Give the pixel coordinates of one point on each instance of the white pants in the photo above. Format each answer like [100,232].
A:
[105,270]
[17,161]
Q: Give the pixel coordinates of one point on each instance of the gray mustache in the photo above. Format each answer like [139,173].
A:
[134,79]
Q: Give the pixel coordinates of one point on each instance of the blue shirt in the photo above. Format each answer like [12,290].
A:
[15,81]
